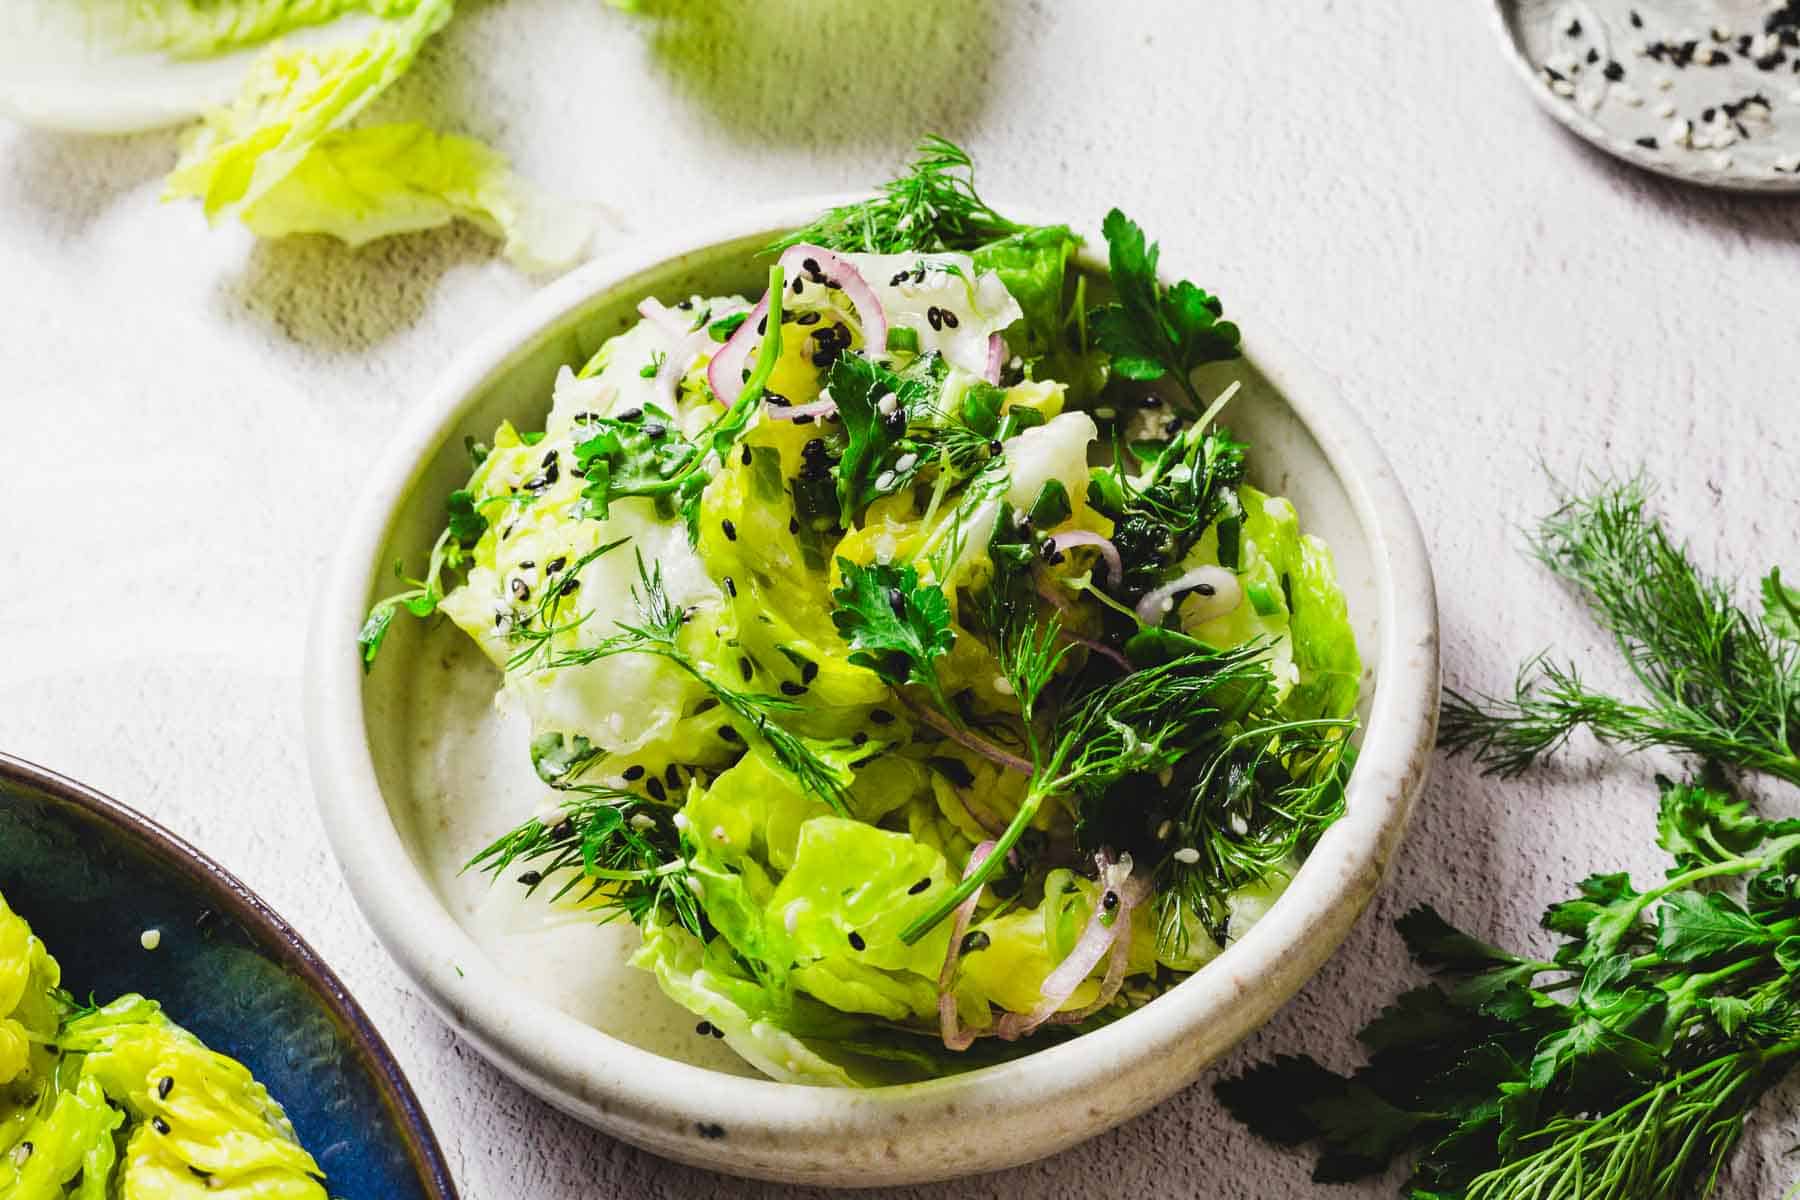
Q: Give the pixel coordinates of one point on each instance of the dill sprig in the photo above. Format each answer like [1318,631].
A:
[657,632]
[1718,682]
[933,206]
[618,844]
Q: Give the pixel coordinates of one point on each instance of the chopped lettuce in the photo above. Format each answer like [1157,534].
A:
[278,85]
[781,709]
[130,1106]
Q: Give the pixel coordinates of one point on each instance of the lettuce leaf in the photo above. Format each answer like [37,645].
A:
[279,83]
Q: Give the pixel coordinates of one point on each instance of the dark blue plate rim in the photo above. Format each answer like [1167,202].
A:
[275,936]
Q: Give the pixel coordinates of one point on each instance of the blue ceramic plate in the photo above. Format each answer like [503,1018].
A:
[90,875]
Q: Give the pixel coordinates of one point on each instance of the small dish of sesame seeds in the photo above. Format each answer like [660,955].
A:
[421,775]
[1705,91]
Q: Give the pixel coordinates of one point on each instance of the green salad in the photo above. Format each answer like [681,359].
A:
[120,1103]
[905,651]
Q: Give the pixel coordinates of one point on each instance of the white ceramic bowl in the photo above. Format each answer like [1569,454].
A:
[401,758]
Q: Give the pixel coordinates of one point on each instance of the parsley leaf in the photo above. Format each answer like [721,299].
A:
[1153,331]
[877,443]
[896,626]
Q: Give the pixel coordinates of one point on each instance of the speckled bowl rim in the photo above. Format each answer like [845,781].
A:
[273,935]
[1571,117]
[986,1119]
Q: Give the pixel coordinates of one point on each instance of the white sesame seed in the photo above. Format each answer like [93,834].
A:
[150,939]
[719,834]
[1666,109]
[887,404]
[1165,830]
[790,917]
[1562,87]
[1664,84]
[681,821]
[1239,826]
[884,481]
[1679,133]
[1002,686]
[1187,854]
[1721,33]
[1016,362]
[642,821]
[906,462]
[1106,414]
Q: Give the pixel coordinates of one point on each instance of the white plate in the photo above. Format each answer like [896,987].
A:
[405,758]
[1550,43]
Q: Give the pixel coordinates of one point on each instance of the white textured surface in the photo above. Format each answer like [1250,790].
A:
[186,415]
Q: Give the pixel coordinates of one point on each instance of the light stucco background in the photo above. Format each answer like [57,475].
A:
[187,415]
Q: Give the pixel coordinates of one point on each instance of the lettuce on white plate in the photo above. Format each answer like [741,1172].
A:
[278,84]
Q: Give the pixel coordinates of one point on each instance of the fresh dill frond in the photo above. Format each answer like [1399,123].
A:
[619,846]
[1718,683]
[657,632]
[933,206]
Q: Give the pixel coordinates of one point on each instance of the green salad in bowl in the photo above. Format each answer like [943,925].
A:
[903,649]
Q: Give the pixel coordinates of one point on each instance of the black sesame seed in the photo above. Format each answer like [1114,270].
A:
[161,1126]
[798,284]
[1574,29]
[935,316]
[856,941]
[881,716]
[717,1032]
[654,786]
[729,734]
[1637,22]
[859,738]
[1110,901]
[897,602]
[949,318]
[630,414]
[1593,56]
[731,587]
[745,669]
[975,939]
[762,326]
[1614,72]
[809,671]
[164,1086]
[704,1029]
[672,774]
[564,831]
[806,418]
[807,318]
[531,878]
[556,564]
[1648,143]
[790,688]
[897,280]
[918,887]
[520,591]
[810,266]
[634,772]
[712,1131]
[729,530]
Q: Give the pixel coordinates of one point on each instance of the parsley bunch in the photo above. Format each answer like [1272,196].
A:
[1622,1067]
[1625,1065]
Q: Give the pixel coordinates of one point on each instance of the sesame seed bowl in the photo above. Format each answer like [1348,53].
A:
[1704,91]
[126,907]
[416,768]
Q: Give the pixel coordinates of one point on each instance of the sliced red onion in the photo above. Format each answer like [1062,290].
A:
[996,356]
[838,269]
[956,1038]
[1104,928]
[1109,553]
[1118,958]
[726,372]
[675,365]
[1225,595]
[665,318]
[818,408]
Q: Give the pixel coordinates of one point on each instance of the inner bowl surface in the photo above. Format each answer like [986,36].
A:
[416,769]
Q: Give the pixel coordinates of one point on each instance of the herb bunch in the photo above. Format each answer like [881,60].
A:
[1718,682]
[1626,1064]
[1622,1067]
